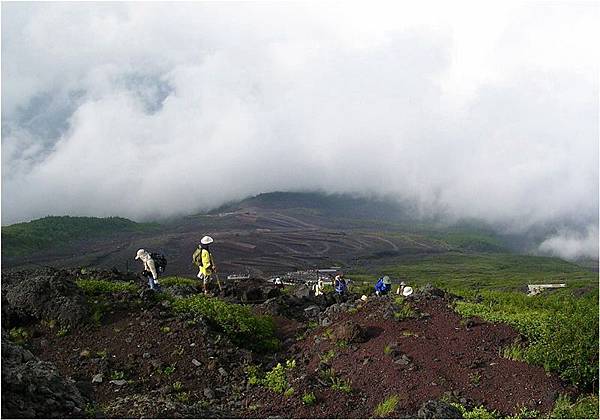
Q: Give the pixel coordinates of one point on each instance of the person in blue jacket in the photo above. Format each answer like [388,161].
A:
[383,286]
[340,284]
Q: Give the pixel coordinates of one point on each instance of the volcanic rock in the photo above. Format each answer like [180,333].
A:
[434,409]
[32,388]
[349,331]
[54,296]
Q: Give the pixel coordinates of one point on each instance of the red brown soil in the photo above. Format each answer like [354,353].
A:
[446,355]
[125,336]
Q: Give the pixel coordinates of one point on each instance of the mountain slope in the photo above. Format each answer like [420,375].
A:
[54,231]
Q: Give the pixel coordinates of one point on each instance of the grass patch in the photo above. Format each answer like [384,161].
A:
[98,287]
[387,406]
[586,407]
[237,321]
[514,352]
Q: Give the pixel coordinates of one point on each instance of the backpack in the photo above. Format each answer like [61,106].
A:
[160,261]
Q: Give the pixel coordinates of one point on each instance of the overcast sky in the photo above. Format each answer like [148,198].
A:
[144,110]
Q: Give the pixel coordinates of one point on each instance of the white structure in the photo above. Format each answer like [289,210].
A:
[536,289]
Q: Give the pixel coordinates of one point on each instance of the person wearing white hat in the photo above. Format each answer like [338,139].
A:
[149,268]
[202,257]
[404,290]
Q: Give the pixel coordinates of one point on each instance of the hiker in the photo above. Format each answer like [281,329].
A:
[149,269]
[340,284]
[400,288]
[202,257]
[383,286]
[318,287]
[404,290]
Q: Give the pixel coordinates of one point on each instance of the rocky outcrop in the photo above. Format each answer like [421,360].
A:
[349,332]
[52,296]
[35,389]
[434,409]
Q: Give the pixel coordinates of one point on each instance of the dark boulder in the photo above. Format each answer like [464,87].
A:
[349,331]
[54,296]
[434,409]
[35,389]
[303,292]
[431,291]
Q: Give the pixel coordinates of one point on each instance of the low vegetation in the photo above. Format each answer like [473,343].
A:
[586,407]
[237,321]
[92,287]
[309,398]
[479,412]
[275,379]
[387,406]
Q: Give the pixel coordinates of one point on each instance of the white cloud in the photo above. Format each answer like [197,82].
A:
[572,245]
[153,109]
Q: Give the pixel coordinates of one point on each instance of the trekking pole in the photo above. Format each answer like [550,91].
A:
[219,282]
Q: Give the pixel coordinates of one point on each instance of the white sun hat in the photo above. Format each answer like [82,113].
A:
[407,291]
[206,240]
[139,254]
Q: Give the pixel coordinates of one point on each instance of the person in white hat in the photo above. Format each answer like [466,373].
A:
[202,257]
[149,269]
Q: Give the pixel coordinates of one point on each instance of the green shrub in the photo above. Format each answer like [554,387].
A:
[237,321]
[525,413]
[117,374]
[476,413]
[182,397]
[586,407]
[62,331]
[387,406]
[19,335]
[169,370]
[341,385]
[327,357]
[309,398]
[177,386]
[254,374]
[98,287]
[475,378]
[276,379]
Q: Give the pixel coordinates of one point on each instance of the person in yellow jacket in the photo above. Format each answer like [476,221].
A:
[203,259]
